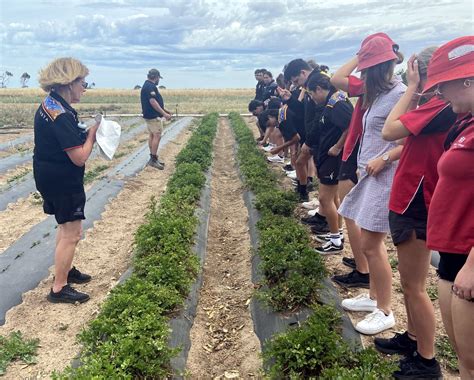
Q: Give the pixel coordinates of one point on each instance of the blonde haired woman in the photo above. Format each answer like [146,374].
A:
[60,153]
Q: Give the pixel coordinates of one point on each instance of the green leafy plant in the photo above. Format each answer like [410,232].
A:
[16,347]
[94,173]
[446,353]
[129,338]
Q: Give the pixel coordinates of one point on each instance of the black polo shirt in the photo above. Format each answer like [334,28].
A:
[334,120]
[269,90]
[298,113]
[286,123]
[259,91]
[150,91]
[56,131]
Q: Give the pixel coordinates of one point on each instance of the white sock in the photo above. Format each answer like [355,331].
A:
[336,239]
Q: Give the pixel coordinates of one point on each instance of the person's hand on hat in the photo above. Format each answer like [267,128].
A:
[98,118]
[413,75]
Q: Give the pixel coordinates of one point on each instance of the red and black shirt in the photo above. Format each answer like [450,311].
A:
[56,130]
[451,214]
[429,125]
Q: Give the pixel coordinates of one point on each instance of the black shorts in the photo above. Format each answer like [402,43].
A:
[450,264]
[65,208]
[328,170]
[349,168]
[412,220]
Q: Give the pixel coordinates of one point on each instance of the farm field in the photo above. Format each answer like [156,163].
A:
[224,340]
[17,106]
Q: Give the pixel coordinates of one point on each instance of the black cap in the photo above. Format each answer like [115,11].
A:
[154,73]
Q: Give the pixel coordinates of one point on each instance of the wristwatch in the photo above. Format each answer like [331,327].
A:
[386,158]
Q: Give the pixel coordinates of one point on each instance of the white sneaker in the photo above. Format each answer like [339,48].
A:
[360,303]
[291,174]
[313,212]
[276,159]
[375,323]
[311,205]
[269,147]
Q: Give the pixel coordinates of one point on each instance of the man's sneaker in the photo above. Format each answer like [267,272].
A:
[288,168]
[329,248]
[269,147]
[354,279]
[360,303]
[415,367]
[67,295]
[349,262]
[291,174]
[375,323]
[316,219]
[76,277]
[155,164]
[399,344]
[275,159]
[324,237]
[311,205]
[161,162]
[321,228]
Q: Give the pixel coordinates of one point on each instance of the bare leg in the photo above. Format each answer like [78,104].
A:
[69,235]
[302,166]
[413,265]
[374,250]
[327,206]
[154,142]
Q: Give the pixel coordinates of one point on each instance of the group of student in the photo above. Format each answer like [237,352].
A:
[399,161]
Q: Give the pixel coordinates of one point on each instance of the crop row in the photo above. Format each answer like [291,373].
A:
[293,275]
[130,337]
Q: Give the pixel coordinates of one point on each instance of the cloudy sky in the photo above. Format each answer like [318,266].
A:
[210,43]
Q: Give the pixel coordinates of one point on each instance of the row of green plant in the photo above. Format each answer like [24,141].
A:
[292,272]
[129,338]
[16,347]
[293,275]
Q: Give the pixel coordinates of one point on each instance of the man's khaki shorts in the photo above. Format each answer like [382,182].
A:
[154,125]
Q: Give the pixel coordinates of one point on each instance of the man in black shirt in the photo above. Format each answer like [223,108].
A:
[260,84]
[270,86]
[154,111]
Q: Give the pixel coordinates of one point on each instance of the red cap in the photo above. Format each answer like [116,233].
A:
[380,34]
[376,50]
[453,60]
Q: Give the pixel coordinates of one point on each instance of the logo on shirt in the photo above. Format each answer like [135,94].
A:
[153,93]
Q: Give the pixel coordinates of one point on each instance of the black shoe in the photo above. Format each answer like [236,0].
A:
[76,277]
[67,295]
[354,279]
[349,262]
[316,219]
[399,344]
[156,164]
[319,229]
[303,193]
[415,367]
[329,248]
[288,168]
[310,186]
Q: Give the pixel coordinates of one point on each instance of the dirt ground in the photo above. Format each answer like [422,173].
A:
[335,267]
[223,343]
[105,253]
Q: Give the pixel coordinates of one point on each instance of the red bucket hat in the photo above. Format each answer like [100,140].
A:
[376,50]
[453,60]
[380,34]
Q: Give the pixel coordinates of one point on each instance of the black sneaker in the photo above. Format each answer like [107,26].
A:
[414,367]
[316,219]
[349,262]
[156,164]
[310,186]
[324,237]
[329,248]
[400,344]
[67,295]
[288,168]
[319,229]
[76,277]
[354,279]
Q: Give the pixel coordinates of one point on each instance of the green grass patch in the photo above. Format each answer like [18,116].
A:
[446,353]
[129,338]
[94,173]
[15,347]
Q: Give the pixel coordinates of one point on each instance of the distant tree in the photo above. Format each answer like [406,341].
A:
[25,77]
[137,87]
[162,87]
[4,78]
